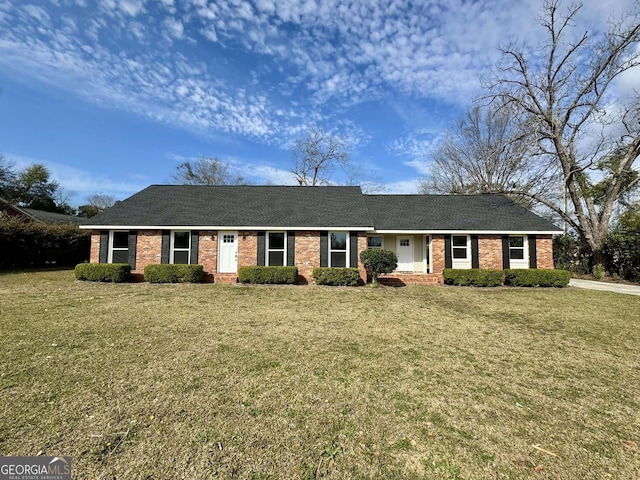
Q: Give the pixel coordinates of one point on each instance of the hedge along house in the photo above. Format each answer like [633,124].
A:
[227,227]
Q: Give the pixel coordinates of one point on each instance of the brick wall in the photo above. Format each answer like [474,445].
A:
[544,250]
[94,253]
[437,254]
[148,249]
[247,249]
[490,251]
[362,245]
[208,250]
[307,251]
[307,254]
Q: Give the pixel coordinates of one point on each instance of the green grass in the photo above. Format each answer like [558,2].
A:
[144,381]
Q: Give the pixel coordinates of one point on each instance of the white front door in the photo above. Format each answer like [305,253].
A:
[404,250]
[228,252]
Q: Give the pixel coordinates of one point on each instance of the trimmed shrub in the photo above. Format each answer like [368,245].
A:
[531,277]
[378,261]
[347,277]
[103,272]
[473,277]
[270,275]
[173,273]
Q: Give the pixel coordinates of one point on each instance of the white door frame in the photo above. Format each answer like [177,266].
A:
[426,255]
[411,247]
[227,254]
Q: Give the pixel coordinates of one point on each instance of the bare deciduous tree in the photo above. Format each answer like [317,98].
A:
[565,91]
[487,151]
[101,201]
[96,203]
[206,171]
[315,155]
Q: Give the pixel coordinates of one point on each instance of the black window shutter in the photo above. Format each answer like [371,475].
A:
[261,249]
[324,249]
[533,254]
[166,245]
[505,252]
[291,249]
[353,249]
[103,253]
[447,252]
[133,243]
[195,241]
[475,258]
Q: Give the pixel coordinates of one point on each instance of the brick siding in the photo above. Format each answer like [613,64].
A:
[307,254]
[490,251]
[94,252]
[544,251]
[148,249]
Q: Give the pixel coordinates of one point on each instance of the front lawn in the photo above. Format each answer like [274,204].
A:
[138,381]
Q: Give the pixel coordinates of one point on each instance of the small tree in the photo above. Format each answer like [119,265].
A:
[378,261]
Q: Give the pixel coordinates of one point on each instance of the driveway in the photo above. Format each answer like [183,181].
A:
[605,286]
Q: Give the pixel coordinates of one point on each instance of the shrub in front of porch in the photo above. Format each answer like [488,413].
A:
[378,261]
[334,276]
[473,277]
[268,275]
[173,273]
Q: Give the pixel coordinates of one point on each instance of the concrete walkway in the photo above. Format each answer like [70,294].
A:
[605,286]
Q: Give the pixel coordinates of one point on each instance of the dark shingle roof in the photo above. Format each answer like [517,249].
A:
[52,218]
[453,212]
[250,206]
[317,207]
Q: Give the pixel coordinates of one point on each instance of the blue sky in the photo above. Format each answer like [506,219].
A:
[112,95]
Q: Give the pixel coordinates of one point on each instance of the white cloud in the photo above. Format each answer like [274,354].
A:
[402,187]
[174,28]
[308,60]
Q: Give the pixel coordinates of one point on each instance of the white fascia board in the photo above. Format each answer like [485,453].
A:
[223,228]
[472,232]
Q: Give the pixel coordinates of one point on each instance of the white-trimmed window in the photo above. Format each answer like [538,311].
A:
[518,252]
[118,247]
[338,249]
[276,249]
[375,241]
[180,247]
[460,251]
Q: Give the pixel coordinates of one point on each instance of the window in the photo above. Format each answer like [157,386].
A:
[276,253]
[119,251]
[338,249]
[374,242]
[516,248]
[459,247]
[460,251]
[180,247]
